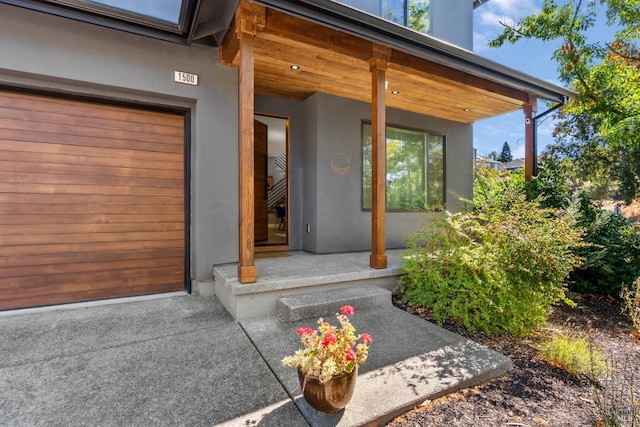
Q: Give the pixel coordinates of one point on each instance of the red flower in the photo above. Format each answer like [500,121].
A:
[329,339]
[350,355]
[366,338]
[304,331]
[346,310]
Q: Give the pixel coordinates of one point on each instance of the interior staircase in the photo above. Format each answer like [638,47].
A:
[277,194]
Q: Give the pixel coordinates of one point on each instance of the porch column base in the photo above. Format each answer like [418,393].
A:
[247,274]
[378,261]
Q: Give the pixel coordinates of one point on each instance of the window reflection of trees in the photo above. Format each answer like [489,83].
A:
[415,169]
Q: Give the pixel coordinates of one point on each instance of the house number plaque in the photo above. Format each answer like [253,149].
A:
[185,78]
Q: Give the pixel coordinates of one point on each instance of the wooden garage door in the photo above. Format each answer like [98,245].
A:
[91,201]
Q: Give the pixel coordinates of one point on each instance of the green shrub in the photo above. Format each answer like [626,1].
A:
[552,184]
[497,269]
[495,189]
[612,254]
[574,355]
[611,251]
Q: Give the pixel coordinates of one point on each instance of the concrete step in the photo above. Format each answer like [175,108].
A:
[312,305]
[299,274]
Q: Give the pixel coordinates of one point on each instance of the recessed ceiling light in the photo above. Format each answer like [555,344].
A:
[295,67]
[395,92]
[466,110]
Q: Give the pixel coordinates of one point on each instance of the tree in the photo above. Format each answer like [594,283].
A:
[505,154]
[600,128]
[493,156]
[419,15]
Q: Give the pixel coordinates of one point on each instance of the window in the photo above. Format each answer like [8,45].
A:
[164,10]
[415,14]
[162,14]
[415,169]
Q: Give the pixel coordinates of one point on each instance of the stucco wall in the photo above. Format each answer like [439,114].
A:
[51,53]
[329,127]
[452,21]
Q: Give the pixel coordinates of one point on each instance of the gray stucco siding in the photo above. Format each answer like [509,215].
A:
[452,21]
[331,202]
[56,54]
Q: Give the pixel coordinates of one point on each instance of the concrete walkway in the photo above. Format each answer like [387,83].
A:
[182,360]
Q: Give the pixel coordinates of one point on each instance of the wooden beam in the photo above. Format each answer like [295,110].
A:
[249,18]
[248,22]
[450,76]
[378,257]
[230,47]
[286,27]
[529,139]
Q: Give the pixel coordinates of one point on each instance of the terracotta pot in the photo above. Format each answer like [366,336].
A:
[330,397]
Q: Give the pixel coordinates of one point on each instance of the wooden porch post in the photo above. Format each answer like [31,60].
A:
[529,139]
[247,24]
[378,66]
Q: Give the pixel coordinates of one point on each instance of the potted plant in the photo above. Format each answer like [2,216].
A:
[328,363]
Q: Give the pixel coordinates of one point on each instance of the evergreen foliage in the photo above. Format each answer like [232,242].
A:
[505,154]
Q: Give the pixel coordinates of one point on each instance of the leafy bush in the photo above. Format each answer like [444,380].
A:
[552,184]
[612,254]
[497,190]
[611,251]
[574,355]
[499,268]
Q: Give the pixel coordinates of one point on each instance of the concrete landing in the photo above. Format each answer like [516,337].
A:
[410,361]
[299,273]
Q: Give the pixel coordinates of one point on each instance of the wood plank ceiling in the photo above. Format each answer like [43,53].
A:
[337,63]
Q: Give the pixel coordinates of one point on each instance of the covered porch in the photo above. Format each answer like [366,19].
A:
[294,50]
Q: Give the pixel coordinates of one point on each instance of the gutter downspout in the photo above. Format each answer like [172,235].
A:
[535,131]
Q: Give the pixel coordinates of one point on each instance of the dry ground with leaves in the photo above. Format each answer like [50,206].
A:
[631,212]
[535,393]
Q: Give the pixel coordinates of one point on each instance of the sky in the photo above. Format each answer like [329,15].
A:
[529,56]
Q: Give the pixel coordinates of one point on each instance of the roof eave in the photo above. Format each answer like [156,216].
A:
[371,27]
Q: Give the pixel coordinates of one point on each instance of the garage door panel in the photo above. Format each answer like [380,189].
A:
[68,118]
[87,189]
[89,257]
[38,250]
[57,294]
[65,133]
[43,152]
[75,166]
[82,266]
[83,208]
[27,135]
[57,283]
[91,201]
[64,231]
[47,105]
[99,223]
[89,179]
